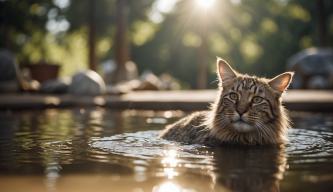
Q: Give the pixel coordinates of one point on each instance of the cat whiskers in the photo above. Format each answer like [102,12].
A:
[261,128]
[222,122]
[265,130]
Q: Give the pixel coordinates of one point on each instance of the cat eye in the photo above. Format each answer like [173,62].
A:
[233,96]
[257,99]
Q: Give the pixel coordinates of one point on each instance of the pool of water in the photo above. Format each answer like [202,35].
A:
[106,150]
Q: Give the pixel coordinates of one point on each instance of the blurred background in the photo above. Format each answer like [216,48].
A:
[176,39]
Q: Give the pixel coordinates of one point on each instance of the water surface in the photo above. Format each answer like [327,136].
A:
[105,150]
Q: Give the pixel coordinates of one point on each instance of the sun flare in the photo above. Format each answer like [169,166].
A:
[205,3]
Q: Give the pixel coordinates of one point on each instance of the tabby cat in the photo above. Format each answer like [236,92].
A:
[247,111]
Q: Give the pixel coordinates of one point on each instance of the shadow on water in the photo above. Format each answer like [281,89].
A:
[101,149]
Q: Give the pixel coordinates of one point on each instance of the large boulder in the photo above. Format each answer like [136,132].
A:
[313,69]
[8,78]
[87,83]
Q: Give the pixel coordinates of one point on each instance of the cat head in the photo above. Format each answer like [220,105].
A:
[248,107]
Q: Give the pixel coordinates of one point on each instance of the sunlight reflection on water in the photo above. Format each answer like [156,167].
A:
[254,165]
[167,187]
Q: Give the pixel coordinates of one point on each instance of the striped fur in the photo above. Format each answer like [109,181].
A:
[247,110]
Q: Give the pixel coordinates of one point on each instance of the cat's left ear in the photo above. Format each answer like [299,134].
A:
[224,70]
[281,82]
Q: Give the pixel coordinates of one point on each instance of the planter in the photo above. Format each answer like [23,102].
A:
[43,72]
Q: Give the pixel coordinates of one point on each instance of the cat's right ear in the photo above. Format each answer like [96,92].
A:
[224,70]
[281,82]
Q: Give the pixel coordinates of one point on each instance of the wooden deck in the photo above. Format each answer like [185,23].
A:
[299,100]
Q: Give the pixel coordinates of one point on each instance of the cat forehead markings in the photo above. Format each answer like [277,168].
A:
[248,84]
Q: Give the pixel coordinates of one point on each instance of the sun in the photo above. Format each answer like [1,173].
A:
[205,3]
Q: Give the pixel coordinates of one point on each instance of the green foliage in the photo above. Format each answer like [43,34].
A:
[19,20]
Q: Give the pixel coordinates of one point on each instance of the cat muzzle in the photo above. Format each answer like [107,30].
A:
[242,126]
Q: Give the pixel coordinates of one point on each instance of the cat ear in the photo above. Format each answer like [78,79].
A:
[224,70]
[281,82]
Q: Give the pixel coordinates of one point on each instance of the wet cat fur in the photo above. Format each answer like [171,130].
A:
[247,111]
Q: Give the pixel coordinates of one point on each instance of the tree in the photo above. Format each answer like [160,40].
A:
[113,19]
[121,38]
[19,20]
[257,37]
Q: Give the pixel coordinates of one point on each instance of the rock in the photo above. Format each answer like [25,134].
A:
[131,70]
[168,82]
[57,86]
[87,83]
[8,66]
[317,82]
[123,87]
[11,77]
[313,69]
[112,76]
[149,81]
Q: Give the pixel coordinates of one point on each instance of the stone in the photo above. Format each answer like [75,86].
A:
[313,69]
[168,82]
[113,76]
[149,81]
[56,86]
[8,67]
[87,83]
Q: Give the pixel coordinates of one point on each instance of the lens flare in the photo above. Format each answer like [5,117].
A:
[205,3]
[166,187]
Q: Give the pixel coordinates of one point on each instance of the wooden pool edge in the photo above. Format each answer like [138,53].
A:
[187,100]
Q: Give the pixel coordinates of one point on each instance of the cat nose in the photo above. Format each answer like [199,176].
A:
[240,112]
[242,108]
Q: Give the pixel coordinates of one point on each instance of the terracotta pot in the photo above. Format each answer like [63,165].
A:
[43,71]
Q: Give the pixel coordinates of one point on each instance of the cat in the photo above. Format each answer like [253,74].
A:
[247,111]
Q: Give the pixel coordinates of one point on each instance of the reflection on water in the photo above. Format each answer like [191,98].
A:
[166,187]
[230,167]
[170,163]
[251,169]
[99,149]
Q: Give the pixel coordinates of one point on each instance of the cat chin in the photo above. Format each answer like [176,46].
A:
[243,127]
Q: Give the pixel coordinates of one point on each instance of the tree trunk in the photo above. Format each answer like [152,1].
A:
[202,58]
[92,36]
[121,39]
[202,65]
[322,28]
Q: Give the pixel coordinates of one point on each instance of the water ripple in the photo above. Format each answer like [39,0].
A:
[309,145]
[145,145]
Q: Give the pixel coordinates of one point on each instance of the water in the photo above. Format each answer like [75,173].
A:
[105,150]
